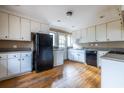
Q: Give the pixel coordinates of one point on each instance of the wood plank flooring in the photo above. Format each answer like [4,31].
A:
[69,75]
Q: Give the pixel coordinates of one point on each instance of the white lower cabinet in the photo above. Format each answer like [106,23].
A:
[76,55]
[3,68]
[99,59]
[13,66]
[15,63]
[26,64]
[58,57]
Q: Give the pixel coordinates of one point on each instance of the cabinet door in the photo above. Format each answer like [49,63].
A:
[3,25]
[76,57]
[101,32]
[25,29]
[44,28]
[3,68]
[83,36]
[91,34]
[14,27]
[114,31]
[70,55]
[58,58]
[99,54]
[26,64]
[13,66]
[35,26]
[82,57]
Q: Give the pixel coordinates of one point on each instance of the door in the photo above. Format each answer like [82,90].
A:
[114,31]
[3,25]
[26,64]
[44,28]
[3,68]
[25,29]
[35,26]
[91,34]
[14,27]
[101,32]
[13,66]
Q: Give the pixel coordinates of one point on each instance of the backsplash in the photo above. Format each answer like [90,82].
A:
[115,44]
[15,44]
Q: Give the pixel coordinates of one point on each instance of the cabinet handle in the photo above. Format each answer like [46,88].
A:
[14,55]
[22,59]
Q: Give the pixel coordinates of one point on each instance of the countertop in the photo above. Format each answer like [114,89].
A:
[99,49]
[14,49]
[119,57]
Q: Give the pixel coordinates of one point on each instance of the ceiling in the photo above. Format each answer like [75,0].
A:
[83,15]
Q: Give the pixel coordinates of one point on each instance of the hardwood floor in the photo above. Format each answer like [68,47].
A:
[70,75]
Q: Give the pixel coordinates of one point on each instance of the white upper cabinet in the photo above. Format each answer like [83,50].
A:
[44,28]
[14,27]
[83,35]
[101,32]
[3,25]
[35,26]
[91,34]
[25,29]
[114,30]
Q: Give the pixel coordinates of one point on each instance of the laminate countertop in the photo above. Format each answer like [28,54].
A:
[14,49]
[99,49]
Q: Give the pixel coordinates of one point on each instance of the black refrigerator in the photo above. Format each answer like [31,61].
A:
[43,52]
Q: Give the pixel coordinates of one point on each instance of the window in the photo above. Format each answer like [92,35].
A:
[53,34]
[69,44]
[62,41]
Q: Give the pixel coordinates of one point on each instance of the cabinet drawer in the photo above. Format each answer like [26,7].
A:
[3,56]
[26,54]
[14,55]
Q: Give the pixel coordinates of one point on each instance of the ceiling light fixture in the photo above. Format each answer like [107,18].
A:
[69,13]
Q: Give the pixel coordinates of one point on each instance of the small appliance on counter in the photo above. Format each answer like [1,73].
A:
[43,52]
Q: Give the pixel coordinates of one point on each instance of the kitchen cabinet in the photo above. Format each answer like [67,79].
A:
[112,73]
[76,55]
[15,63]
[58,57]
[99,59]
[13,66]
[14,27]
[44,28]
[3,68]
[3,25]
[91,34]
[114,30]
[35,26]
[101,32]
[83,35]
[25,29]
[26,62]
